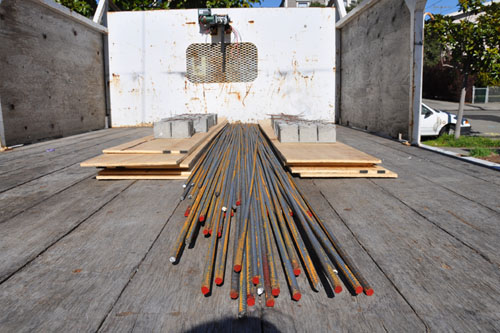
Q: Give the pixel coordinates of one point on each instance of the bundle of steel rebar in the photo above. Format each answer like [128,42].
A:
[239,184]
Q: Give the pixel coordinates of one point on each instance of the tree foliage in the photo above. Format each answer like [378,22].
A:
[87,7]
[471,46]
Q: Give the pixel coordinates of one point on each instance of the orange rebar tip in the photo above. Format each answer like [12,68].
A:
[296,271]
[233,294]
[250,300]
[270,303]
[369,291]
[188,209]
[202,218]
[275,292]
[218,281]
[205,290]
[255,280]
[296,296]
[338,289]
[237,268]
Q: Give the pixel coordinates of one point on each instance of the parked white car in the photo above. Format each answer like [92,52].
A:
[435,122]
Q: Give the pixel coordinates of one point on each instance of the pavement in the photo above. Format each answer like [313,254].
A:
[484,117]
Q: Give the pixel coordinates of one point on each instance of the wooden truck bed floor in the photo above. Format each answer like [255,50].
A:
[77,254]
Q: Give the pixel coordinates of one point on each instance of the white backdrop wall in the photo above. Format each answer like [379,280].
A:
[296,65]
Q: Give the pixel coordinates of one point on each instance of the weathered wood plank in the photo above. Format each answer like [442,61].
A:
[31,232]
[165,297]
[438,275]
[74,284]
[323,312]
[356,137]
[36,170]
[403,161]
[32,192]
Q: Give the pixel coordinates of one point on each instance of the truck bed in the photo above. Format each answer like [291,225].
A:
[77,254]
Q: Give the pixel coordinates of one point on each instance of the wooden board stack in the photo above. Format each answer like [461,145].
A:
[150,158]
[325,160]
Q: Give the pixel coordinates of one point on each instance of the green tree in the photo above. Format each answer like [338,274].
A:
[88,7]
[471,44]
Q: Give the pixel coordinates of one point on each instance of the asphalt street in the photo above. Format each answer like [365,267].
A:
[484,118]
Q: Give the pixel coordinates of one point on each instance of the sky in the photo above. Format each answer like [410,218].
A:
[433,6]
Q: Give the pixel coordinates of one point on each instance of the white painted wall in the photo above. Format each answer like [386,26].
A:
[296,51]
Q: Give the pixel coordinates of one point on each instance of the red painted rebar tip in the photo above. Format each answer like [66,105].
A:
[358,290]
[296,271]
[250,300]
[202,218]
[218,281]
[205,232]
[291,213]
[238,203]
[297,296]
[224,214]
[270,303]
[369,292]
[205,290]
[255,280]
[338,289]
[219,234]
[232,213]
[233,294]
[309,213]
[276,292]
[186,214]
[237,268]
[210,232]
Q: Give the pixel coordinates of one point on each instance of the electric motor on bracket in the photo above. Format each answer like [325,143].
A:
[210,23]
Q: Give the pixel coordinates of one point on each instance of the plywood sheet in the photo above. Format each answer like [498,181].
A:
[316,153]
[150,145]
[117,174]
[134,160]
[352,172]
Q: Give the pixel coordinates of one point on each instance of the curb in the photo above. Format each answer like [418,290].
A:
[473,160]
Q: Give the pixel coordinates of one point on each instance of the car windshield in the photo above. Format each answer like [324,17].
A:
[425,109]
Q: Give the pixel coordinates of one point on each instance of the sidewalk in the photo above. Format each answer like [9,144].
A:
[453,106]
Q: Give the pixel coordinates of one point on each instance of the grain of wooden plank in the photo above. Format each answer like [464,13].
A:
[450,286]
[158,174]
[40,148]
[320,311]
[37,170]
[120,148]
[73,285]
[406,164]
[39,158]
[316,153]
[40,187]
[165,297]
[31,232]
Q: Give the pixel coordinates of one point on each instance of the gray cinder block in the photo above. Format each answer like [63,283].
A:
[288,132]
[162,129]
[308,132]
[201,123]
[327,133]
[182,128]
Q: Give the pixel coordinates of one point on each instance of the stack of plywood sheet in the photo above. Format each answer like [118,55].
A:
[325,160]
[150,158]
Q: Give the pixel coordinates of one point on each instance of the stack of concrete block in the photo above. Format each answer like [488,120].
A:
[304,131]
[184,126]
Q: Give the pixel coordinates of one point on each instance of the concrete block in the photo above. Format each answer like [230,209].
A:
[327,133]
[182,128]
[308,132]
[288,132]
[162,129]
[201,123]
